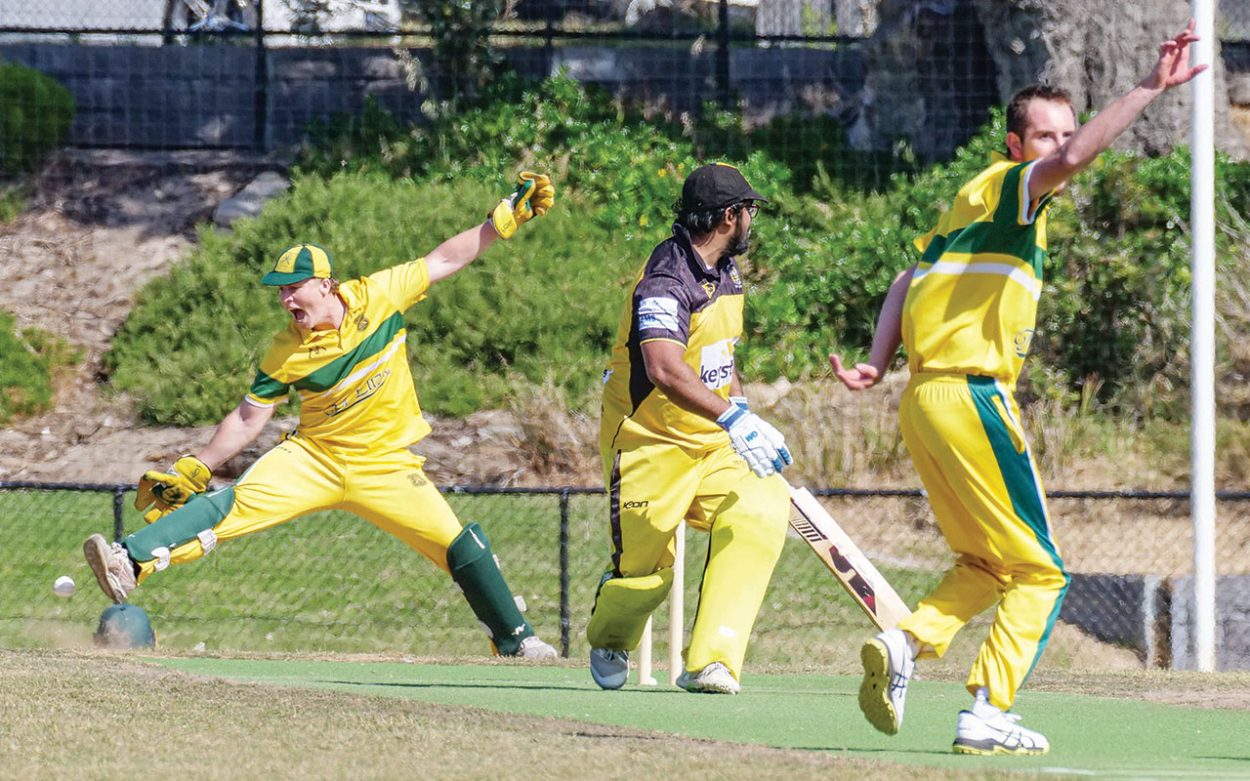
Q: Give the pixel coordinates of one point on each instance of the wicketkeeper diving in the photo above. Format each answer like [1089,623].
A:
[343,353]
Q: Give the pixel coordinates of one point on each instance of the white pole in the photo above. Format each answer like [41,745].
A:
[1202,437]
[676,608]
[645,678]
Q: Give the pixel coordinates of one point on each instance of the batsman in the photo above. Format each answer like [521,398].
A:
[678,443]
[343,353]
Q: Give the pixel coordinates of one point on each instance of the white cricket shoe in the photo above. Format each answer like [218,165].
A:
[111,564]
[533,647]
[713,679]
[888,665]
[609,667]
[999,733]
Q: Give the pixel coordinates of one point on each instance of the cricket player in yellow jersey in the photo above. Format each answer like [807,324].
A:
[966,313]
[678,443]
[344,354]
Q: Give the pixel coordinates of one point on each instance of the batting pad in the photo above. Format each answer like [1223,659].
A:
[474,570]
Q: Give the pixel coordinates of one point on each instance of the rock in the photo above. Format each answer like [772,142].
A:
[251,199]
[916,92]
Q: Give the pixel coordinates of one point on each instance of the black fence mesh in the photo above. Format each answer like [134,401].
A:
[330,582]
[242,75]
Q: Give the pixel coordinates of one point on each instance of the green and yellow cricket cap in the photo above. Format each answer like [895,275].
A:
[295,264]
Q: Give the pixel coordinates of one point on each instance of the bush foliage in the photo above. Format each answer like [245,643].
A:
[35,114]
[30,361]
[1112,329]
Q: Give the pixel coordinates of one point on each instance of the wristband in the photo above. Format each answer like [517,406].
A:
[730,416]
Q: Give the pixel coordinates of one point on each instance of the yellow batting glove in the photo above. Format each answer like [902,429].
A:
[164,492]
[534,195]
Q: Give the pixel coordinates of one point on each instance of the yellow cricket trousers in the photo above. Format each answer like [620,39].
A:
[651,489]
[967,444]
[390,490]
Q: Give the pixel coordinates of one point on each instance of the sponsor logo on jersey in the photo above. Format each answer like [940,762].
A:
[1022,340]
[733,275]
[636,504]
[658,314]
[360,393]
[716,364]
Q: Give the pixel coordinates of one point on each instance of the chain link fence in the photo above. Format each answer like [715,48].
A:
[253,74]
[330,582]
[1233,21]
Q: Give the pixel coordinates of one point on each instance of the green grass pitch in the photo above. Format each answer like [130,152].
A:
[1095,737]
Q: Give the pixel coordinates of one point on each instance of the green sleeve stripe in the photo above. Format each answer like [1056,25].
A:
[266,387]
[936,247]
[333,372]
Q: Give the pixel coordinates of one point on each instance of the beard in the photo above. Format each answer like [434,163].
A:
[741,242]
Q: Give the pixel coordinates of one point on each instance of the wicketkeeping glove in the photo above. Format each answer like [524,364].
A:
[163,492]
[762,446]
[534,195]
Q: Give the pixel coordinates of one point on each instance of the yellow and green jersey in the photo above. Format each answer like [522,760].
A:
[675,298]
[355,388]
[971,307]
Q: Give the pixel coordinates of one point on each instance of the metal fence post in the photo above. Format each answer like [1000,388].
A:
[260,97]
[722,58]
[564,573]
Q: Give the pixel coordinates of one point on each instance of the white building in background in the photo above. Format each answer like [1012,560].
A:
[191,16]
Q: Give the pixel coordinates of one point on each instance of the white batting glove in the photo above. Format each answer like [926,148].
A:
[762,446]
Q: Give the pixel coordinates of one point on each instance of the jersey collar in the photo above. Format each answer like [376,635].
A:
[692,258]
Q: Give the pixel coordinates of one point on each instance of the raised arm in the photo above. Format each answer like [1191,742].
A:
[1171,70]
[533,196]
[459,251]
[885,340]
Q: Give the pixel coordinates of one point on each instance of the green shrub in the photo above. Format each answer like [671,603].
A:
[35,114]
[1113,322]
[13,199]
[537,304]
[30,361]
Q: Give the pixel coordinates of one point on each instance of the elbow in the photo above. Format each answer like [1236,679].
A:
[1071,161]
[658,377]
[661,376]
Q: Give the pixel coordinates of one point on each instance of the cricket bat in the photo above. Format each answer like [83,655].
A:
[883,606]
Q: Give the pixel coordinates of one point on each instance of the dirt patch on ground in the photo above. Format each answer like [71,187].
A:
[103,223]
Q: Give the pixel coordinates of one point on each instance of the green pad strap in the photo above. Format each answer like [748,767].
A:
[200,513]
[474,570]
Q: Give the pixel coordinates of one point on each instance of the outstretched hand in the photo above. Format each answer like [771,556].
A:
[1173,68]
[533,197]
[861,376]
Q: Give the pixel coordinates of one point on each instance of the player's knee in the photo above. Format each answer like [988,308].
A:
[642,594]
